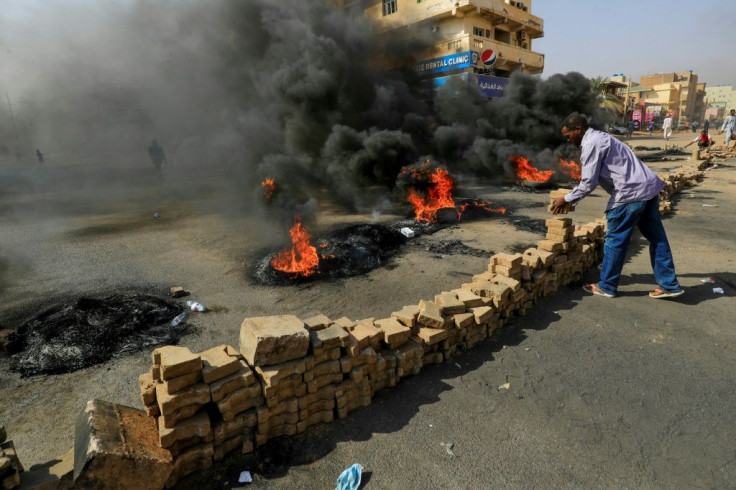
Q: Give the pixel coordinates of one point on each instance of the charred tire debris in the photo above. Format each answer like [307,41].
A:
[80,333]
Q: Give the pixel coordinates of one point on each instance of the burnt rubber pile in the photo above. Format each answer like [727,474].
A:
[89,331]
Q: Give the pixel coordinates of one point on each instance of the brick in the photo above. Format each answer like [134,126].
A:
[177,291]
[430,315]
[358,339]
[469,299]
[241,379]
[323,417]
[197,457]
[328,338]
[430,336]
[171,419]
[175,361]
[175,385]
[320,382]
[394,332]
[271,375]
[115,443]
[196,426]
[506,260]
[449,303]
[323,356]
[407,315]
[148,393]
[463,320]
[329,367]
[376,334]
[169,403]
[510,282]
[272,340]
[550,246]
[317,322]
[318,406]
[286,393]
[226,429]
[344,322]
[217,363]
[482,313]
[559,223]
[325,393]
[228,446]
[284,384]
[240,401]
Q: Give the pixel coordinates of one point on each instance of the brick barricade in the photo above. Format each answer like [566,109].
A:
[279,384]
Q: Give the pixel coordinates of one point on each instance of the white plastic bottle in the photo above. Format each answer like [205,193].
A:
[196,306]
[179,318]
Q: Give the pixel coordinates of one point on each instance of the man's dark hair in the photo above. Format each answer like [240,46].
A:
[575,120]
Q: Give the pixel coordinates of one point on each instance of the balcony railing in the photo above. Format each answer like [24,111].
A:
[512,54]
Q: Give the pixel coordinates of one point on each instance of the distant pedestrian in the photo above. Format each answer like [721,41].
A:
[650,127]
[630,129]
[39,156]
[729,127]
[706,125]
[667,127]
[694,126]
[158,156]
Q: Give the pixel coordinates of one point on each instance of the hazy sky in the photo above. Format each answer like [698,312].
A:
[639,37]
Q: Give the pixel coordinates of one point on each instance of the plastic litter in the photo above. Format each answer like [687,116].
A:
[407,232]
[179,319]
[156,216]
[710,205]
[708,280]
[448,447]
[350,478]
[245,477]
[504,386]
[718,291]
[196,306]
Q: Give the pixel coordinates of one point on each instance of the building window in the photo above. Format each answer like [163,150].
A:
[389,7]
[478,44]
[477,31]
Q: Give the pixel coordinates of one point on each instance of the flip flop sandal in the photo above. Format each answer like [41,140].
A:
[661,293]
[593,288]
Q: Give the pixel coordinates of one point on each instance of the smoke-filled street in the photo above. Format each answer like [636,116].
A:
[260,156]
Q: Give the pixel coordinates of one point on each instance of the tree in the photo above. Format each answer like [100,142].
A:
[608,102]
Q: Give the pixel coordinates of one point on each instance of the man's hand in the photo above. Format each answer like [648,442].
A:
[557,205]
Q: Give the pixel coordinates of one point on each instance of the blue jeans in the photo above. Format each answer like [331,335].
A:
[621,221]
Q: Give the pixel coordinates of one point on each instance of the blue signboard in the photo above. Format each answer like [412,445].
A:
[444,63]
[492,86]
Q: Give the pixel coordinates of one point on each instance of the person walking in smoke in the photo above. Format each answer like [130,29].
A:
[667,127]
[634,202]
[39,156]
[729,127]
[158,156]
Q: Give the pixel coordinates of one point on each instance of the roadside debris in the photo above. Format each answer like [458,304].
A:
[156,216]
[196,306]
[178,292]
[504,386]
[708,280]
[448,447]
[179,318]
[350,478]
[718,291]
[407,232]
[245,477]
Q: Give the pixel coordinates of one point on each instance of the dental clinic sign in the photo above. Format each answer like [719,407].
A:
[445,63]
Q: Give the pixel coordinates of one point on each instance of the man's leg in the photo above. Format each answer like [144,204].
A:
[620,223]
[660,254]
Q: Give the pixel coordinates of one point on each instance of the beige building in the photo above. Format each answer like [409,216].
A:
[657,95]
[483,41]
[719,100]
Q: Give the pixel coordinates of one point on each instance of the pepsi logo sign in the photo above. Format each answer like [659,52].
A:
[488,57]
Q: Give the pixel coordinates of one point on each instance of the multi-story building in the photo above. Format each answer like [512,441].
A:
[676,94]
[481,41]
[719,100]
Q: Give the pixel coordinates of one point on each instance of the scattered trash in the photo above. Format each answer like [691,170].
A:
[718,291]
[156,216]
[710,205]
[504,386]
[407,232]
[196,306]
[519,396]
[448,447]
[350,478]
[527,349]
[708,280]
[178,292]
[179,318]
[245,477]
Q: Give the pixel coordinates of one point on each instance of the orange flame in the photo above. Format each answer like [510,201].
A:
[302,259]
[571,169]
[484,205]
[438,196]
[269,187]
[525,171]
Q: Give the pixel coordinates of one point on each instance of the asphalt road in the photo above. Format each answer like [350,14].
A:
[623,392]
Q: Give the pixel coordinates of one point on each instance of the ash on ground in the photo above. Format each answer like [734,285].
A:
[89,331]
[456,247]
[664,155]
[532,225]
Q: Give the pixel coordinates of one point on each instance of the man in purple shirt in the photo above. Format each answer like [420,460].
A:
[634,202]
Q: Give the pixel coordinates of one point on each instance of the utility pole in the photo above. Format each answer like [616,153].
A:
[626,100]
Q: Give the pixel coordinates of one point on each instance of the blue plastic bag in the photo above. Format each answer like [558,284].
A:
[350,478]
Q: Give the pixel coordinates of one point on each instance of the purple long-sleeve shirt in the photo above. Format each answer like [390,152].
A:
[612,164]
